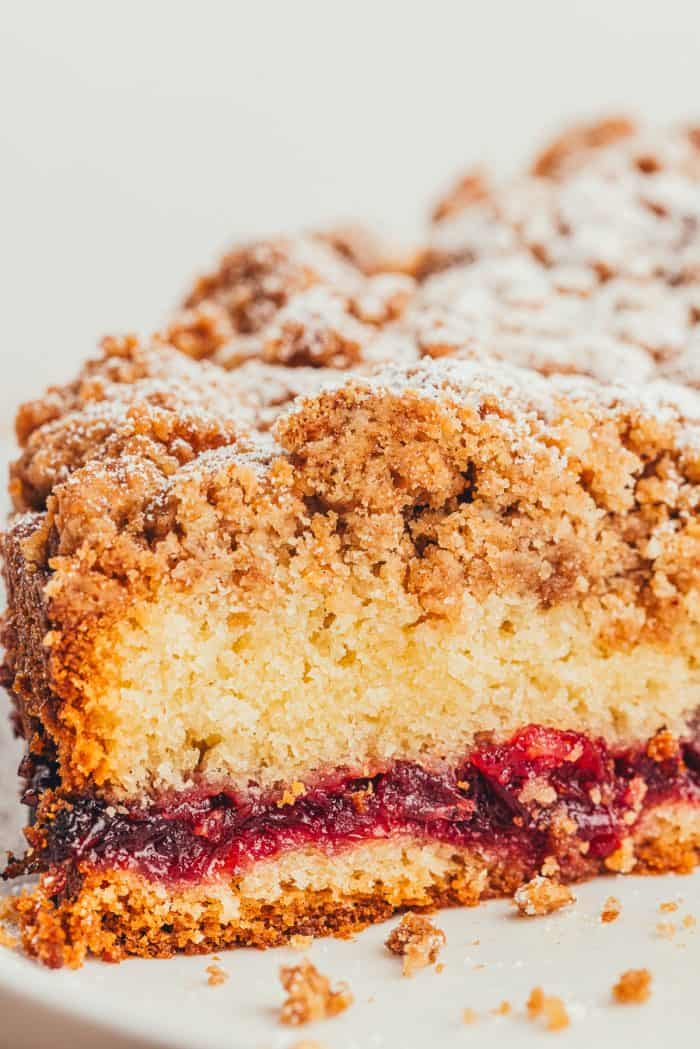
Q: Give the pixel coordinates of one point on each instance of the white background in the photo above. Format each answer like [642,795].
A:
[137,138]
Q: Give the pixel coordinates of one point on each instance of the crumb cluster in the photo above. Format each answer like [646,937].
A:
[542,896]
[549,1008]
[633,987]
[417,941]
[310,995]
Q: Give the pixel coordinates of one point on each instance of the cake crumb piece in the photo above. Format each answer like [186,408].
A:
[666,930]
[417,941]
[689,922]
[548,1006]
[310,995]
[633,987]
[542,896]
[612,908]
[440,967]
[217,975]
[504,1009]
[300,943]
[668,907]
[469,1016]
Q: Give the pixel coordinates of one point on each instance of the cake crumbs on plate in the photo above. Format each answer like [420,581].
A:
[217,975]
[548,1006]
[504,1009]
[612,908]
[542,896]
[310,995]
[417,941]
[666,930]
[668,907]
[307,1043]
[633,987]
[690,921]
[469,1016]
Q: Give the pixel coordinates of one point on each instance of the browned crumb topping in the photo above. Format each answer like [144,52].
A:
[469,1016]
[611,911]
[623,859]
[668,907]
[542,896]
[633,987]
[504,1009]
[549,1007]
[310,995]
[217,975]
[417,941]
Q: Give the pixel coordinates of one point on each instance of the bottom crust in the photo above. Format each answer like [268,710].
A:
[114,914]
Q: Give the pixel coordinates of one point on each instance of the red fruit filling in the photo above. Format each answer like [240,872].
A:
[510,798]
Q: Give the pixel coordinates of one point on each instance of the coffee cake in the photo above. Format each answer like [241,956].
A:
[368,583]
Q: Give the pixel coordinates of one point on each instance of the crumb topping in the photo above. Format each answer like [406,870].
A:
[633,987]
[542,896]
[310,995]
[417,941]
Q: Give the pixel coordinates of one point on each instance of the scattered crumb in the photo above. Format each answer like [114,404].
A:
[469,1016]
[504,1009]
[611,911]
[310,995]
[622,860]
[476,943]
[542,896]
[669,907]
[417,941]
[549,1007]
[217,975]
[439,967]
[480,965]
[666,930]
[300,943]
[633,987]
[307,1043]
[689,922]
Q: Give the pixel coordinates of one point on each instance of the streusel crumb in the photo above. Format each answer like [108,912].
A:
[611,911]
[310,995]
[542,896]
[217,975]
[417,941]
[549,1007]
[668,907]
[633,987]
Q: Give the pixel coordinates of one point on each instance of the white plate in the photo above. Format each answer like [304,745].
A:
[571,954]
[169,1003]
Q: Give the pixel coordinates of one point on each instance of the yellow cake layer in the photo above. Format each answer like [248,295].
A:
[188,685]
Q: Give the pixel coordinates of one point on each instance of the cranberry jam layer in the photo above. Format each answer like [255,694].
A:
[526,799]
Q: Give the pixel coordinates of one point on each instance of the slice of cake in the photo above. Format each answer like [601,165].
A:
[437,637]
[359,589]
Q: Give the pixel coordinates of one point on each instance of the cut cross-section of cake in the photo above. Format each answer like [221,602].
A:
[435,635]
